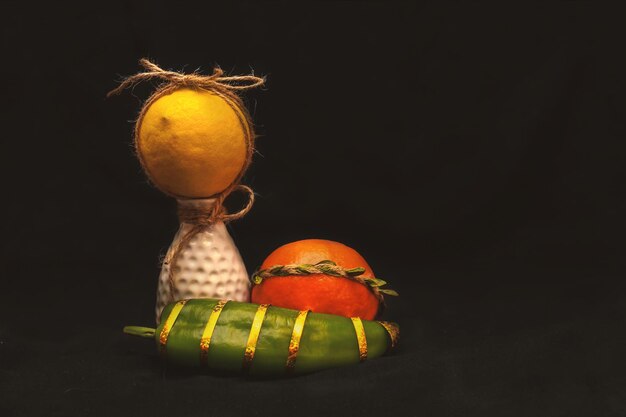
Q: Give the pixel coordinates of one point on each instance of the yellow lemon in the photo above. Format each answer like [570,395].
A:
[192,143]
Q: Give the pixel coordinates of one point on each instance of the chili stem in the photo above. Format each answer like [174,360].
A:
[139,331]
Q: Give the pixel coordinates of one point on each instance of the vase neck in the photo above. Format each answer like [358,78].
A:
[196,203]
[194,210]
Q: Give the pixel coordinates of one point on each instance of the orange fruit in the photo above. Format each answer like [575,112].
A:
[320,293]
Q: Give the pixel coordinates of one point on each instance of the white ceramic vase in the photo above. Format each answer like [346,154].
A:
[210,265]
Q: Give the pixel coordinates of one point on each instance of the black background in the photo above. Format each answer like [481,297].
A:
[473,154]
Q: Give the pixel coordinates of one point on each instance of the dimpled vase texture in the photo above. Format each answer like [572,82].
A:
[208,267]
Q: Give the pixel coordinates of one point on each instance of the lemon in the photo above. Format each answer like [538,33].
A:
[192,143]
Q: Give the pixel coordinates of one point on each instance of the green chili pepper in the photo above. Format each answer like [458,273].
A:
[263,340]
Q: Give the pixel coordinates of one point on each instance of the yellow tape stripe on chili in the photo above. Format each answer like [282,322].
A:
[294,343]
[205,341]
[169,323]
[360,337]
[257,323]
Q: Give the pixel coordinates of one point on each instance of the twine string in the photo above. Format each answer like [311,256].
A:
[202,217]
[215,81]
[226,87]
[200,220]
[326,267]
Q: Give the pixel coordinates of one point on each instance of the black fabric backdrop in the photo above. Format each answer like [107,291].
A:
[473,154]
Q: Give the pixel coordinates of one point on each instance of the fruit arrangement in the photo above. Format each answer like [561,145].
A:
[313,302]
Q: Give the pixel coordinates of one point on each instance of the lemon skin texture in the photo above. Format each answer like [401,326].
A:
[192,143]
